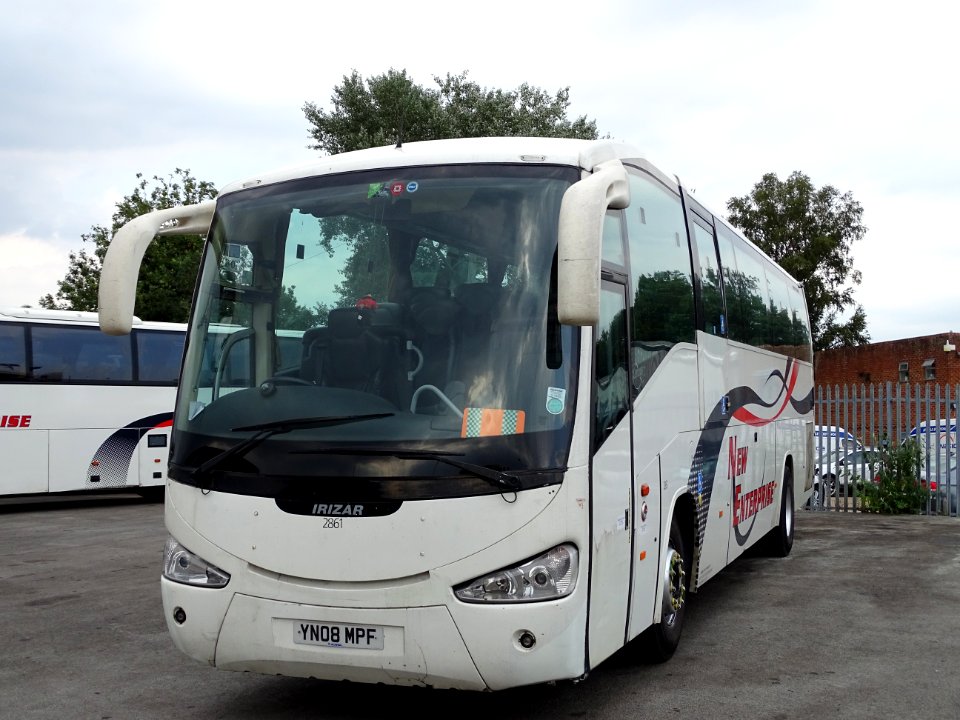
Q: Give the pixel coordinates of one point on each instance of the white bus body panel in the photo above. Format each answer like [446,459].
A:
[752,458]
[405,586]
[25,461]
[85,437]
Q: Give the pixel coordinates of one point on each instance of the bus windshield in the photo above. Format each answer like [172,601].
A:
[420,301]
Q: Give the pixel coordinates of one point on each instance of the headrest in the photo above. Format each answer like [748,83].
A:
[348,322]
[386,315]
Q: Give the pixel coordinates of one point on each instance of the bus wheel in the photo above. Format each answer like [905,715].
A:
[662,639]
[780,540]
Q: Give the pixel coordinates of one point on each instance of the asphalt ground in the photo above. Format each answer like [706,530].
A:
[862,620]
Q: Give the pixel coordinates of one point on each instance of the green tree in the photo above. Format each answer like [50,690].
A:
[809,231]
[388,108]
[169,269]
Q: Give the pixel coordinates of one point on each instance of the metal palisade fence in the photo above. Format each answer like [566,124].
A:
[855,422]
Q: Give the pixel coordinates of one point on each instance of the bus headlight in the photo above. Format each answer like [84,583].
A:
[182,566]
[546,577]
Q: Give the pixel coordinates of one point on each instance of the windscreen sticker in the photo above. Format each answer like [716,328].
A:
[483,422]
[375,190]
[394,188]
[556,400]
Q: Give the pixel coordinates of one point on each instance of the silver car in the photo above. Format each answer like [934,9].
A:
[840,473]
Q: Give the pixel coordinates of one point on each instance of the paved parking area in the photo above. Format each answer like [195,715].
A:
[861,621]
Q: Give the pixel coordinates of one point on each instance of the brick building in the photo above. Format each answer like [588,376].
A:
[930,359]
[924,377]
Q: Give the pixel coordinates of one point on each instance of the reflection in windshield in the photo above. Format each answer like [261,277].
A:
[428,294]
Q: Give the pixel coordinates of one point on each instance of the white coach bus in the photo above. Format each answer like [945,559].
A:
[542,396]
[83,410]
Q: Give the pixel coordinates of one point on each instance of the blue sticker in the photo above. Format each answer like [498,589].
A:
[412,186]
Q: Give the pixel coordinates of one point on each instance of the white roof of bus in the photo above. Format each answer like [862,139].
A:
[42,315]
[585,154]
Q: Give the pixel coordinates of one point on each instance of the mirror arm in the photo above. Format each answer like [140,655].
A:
[121,265]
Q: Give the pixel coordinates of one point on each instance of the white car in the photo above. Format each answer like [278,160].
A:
[839,472]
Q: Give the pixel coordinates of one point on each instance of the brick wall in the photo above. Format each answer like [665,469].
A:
[880,362]
[864,371]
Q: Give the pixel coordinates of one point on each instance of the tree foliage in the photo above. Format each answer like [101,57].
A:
[388,108]
[169,269]
[810,231]
[897,489]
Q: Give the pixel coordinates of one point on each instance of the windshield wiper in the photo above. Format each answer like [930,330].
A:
[502,480]
[277,427]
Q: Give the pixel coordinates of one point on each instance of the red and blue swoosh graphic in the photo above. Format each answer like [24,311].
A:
[745,405]
[111,462]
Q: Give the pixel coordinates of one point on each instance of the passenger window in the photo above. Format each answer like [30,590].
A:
[752,292]
[785,332]
[436,264]
[660,272]
[712,297]
[13,363]
[732,284]
[159,355]
[800,323]
[80,355]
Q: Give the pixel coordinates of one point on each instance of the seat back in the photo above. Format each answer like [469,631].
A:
[433,315]
[353,352]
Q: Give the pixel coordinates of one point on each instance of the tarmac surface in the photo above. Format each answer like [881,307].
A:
[862,620]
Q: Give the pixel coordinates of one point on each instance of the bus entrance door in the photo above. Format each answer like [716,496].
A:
[611,480]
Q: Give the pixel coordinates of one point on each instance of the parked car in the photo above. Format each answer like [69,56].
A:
[840,472]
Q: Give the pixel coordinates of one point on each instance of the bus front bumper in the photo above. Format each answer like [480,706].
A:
[421,646]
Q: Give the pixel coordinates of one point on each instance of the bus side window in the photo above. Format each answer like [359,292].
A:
[159,355]
[660,273]
[754,300]
[711,293]
[733,285]
[13,353]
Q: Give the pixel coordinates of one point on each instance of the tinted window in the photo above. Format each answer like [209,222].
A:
[660,272]
[79,355]
[712,297]
[159,355]
[754,305]
[800,323]
[733,285]
[13,364]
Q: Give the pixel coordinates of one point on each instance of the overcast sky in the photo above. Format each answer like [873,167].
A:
[859,95]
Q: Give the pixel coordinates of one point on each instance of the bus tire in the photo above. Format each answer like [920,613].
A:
[780,540]
[661,640]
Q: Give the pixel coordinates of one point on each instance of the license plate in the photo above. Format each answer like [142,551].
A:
[338,635]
